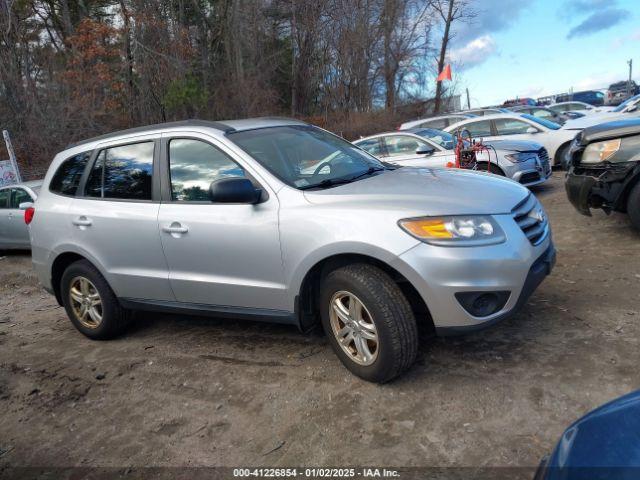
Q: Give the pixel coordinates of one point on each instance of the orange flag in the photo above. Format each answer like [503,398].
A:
[445,74]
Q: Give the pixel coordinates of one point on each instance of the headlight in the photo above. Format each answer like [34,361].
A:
[519,157]
[600,151]
[461,231]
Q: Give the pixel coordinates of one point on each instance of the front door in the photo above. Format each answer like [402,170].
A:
[401,150]
[18,232]
[219,255]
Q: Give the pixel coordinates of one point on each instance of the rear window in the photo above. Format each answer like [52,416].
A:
[122,172]
[67,178]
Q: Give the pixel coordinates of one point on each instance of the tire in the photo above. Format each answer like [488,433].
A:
[495,170]
[633,206]
[384,307]
[113,318]
[560,161]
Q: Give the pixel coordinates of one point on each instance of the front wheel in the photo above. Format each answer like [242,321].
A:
[633,206]
[369,322]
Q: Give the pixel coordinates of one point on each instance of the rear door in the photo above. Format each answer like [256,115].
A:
[115,218]
[514,129]
[219,254]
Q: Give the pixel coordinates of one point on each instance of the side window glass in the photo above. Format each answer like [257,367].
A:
[19,196]
[94,182]
[122,172]
[4,198]
[67,178]
[193,165]
[438,124]
[402,145]
[507,126]
[372,146]
[479,129]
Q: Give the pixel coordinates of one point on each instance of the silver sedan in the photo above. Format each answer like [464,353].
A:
[14,200]
[525,162]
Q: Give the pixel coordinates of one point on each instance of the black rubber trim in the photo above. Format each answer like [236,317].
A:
[221,311]
[578,189]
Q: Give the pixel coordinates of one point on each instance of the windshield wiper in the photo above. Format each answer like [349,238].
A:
[332,182]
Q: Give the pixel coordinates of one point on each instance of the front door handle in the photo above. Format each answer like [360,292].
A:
[82,222]
[175,228]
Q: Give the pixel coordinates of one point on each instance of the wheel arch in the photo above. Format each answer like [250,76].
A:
[60,263]
[557,160]
[307,307]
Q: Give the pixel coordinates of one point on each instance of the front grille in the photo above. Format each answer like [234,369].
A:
[543,155]
[531,218]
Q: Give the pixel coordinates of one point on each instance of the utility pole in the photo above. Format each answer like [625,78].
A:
[468,101]
[630,63]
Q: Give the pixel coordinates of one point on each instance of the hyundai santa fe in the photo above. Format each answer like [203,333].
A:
[278,220]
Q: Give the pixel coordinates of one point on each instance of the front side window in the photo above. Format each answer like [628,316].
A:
[122,172]
[438,123]
[372,146]
[193,165]
[402,145]
[19,196]
[305,157]
[4,198]
[478,129]
[444,139]
[509,126]
[67,178]
[541,121]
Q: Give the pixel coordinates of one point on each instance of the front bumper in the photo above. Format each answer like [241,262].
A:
[578,189]
[529,173]
[438,273]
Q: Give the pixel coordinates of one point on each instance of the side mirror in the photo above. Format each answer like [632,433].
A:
[532,130]
[234,190]
[425,150]
[25,205]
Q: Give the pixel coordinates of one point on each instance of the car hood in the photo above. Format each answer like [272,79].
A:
[425,191]
[514,145]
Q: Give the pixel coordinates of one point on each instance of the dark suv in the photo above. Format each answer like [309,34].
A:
[605,169]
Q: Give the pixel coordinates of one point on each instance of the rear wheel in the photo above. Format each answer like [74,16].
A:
[633,206]
[90,303]
[369,322]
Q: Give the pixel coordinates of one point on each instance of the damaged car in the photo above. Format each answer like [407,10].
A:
[605,169]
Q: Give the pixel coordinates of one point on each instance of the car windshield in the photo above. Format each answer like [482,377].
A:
[444,139]
[305,156]
[626,103]
[545,123]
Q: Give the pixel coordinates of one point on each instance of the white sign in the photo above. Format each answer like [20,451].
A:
[7,173]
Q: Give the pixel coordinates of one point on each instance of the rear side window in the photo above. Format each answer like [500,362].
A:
[371,146]
[123,172]
[439,123]
[4,198]
[478,129]
[67,178]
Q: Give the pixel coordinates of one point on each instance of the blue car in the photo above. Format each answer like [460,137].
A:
[602,445]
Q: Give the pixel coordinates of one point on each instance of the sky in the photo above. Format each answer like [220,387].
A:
[531,48]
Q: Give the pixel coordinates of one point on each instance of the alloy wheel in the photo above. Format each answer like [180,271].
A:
[85,302]
[353,327]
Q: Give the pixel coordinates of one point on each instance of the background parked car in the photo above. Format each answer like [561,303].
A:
[439,122]
[525,162]
[602,445]
[605,169]
[620,91]
[519,101]
[480,112]
[577,106]
[628,109]
[515,126]
[591,97]
[14,200]
[544,113]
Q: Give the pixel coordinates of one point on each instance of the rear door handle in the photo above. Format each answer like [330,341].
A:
[175,227]
[82,222]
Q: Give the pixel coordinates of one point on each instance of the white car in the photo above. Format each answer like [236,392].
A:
[525,162]
[514,126]
[440,122]
[630,108]
[575,106]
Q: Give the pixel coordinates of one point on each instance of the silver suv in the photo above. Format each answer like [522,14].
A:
[275,219]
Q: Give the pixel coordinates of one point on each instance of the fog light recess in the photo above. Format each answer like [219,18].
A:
[482,304]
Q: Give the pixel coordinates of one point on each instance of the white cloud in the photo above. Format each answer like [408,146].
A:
[474,53]
[622,41]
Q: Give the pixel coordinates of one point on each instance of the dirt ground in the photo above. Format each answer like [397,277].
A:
[189,391]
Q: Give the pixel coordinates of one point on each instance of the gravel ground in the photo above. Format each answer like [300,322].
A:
[187,391]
